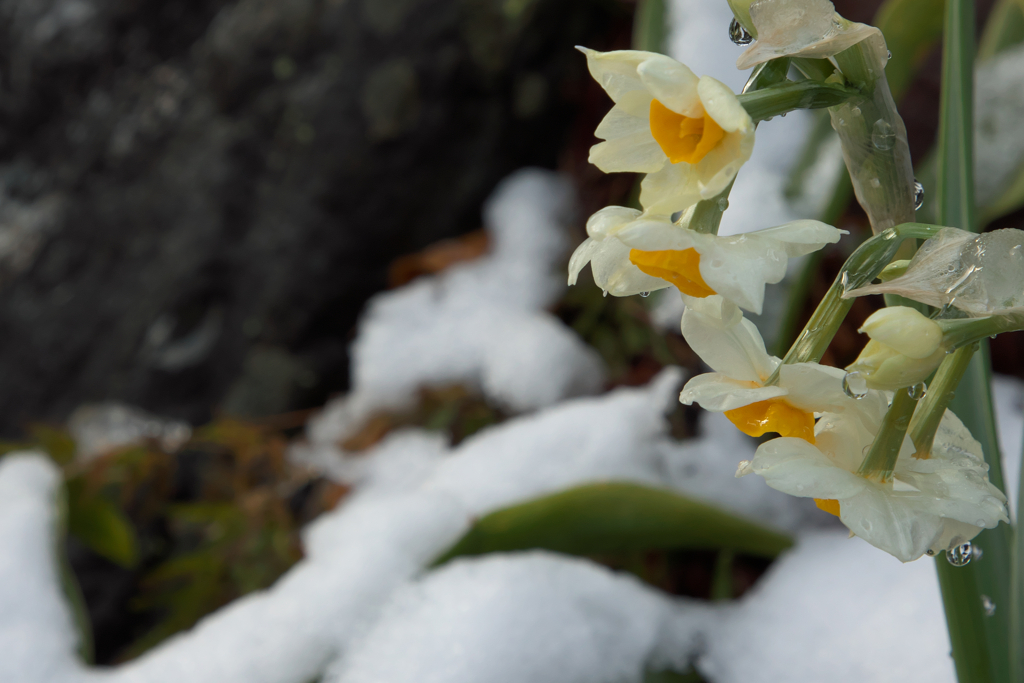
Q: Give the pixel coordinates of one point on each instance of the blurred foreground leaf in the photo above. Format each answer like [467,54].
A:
[100,525]
[615,517]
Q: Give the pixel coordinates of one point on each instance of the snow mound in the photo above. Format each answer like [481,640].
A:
[834,609]
[481,323]
[523,618]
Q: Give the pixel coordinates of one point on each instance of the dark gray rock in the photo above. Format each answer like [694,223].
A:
[197,196]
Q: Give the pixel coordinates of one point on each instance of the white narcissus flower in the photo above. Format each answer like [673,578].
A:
[905,348]
[691,135]
[731,345]
[805,28]
[928,506]
[632,252]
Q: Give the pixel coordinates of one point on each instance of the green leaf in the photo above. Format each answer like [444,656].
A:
[980,643]
[911,29]
[615,517]
[100,525]
[1017,591]
[650,31]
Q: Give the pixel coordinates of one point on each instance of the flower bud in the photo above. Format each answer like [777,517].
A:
[905,329]
[885,368]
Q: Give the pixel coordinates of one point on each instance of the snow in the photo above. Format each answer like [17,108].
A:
[37,637]
[481,323]
[533,617]
[1008,396]
[834,609]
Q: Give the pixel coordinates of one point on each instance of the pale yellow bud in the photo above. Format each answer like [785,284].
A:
[904,329]
[885,368]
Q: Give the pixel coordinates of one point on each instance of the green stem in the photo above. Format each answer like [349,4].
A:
[780,99]
[707,215]
[940,393]
[881,459]
[963,331]
[862,267]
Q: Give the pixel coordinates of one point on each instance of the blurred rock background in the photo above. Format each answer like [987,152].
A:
[198,196]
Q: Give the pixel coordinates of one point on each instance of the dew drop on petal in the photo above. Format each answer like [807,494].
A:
[960,555]
[883,137]
[988,606]
[889,235]
[723,204]
[918,195]
[605,293]
[929,552]
[854,385]
[917,391]
[645,294]
[738,34]
[888,55]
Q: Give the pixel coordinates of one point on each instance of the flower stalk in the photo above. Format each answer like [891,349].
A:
[881,459]
[940,393]
[862,267]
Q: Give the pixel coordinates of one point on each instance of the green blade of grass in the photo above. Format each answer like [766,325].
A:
[650,31]
[980,642]
[615,517]
[1017,590]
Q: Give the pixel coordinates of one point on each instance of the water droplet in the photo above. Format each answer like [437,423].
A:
[888,55]
[959,555]
[929,552]
[645,294]
[980,523]
[988,606]
[738,34]
[676,216]
[889,235]
[917,391]
[918,195]
[883,137]
[875,183]
[723,204]
[605,292]
[854,385]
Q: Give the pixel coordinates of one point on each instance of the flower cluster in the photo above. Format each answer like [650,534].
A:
[843,436]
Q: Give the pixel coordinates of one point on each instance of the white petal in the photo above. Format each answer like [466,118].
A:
[610,220]
[884,521]
[655,235]
[718,168]
[616,71]
[739,266]
[637,153]
[735,350]
[581,257]
[673,188]
[796,467]
[804,236]
[819,389]
[718,393]
[619,123]
[722,105]
[614,273]
[672,84]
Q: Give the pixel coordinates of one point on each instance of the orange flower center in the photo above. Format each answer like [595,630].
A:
[773,415]
[681,268]
[682,138]
[829,505]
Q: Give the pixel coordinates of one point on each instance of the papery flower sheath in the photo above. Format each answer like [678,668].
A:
[632,251]
[929,505]
[691,134]
[980,275]
[733,348]
[804,28]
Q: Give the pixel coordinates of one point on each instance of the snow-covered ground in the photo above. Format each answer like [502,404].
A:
[365,606]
